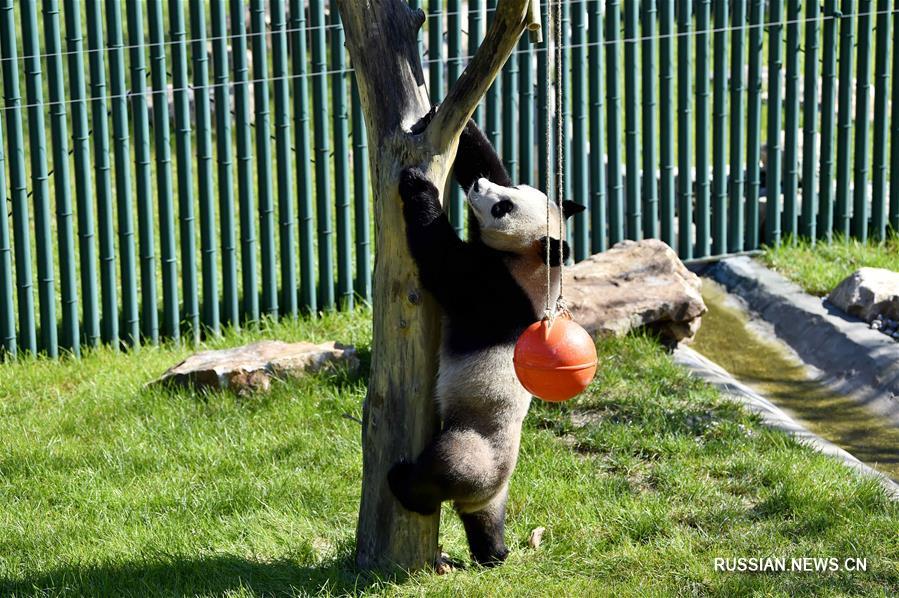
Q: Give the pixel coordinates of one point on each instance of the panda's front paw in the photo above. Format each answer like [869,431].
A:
[422,124]
[414,184]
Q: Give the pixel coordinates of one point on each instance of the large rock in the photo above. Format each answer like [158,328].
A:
[251,367]
[635,284]
[867,293]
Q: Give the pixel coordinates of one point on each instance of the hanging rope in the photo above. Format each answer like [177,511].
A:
[554,308]
[548,308]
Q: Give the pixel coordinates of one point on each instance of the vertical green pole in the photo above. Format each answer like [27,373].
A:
[631,122]
[773,172]
[119,100]
[613,106]
[526,112]
[684,149]
[413,4]
[791,124]
[579,160]
[34,96]
[264,157]
[142,173]
[83,191]
[109,325]
[544,106]
[246,187]
[158,72]
[181,88]
[222,102]
[650,187]
[844,120]
[809,118]
[286,217]
[453,40]
[204,166]
[70,335]
[510,116]
[828,93]
[362,195]
[754,124]
[881,85]
[19,191]
[598,237]
[862,89]
[666,120]
[303,154]
[736,235]
[893,213]
[703,185]
[435,49]
[341,166]
[475,35]
[320,103]
[719,130]
[493,123]
[7,305]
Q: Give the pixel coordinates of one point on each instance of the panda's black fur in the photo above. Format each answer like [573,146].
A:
[489,296]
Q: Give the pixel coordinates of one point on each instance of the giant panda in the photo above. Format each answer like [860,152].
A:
[490,289]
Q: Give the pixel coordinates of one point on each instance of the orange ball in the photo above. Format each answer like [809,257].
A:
[555,363]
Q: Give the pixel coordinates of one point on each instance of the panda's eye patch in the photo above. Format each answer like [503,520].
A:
[501,208]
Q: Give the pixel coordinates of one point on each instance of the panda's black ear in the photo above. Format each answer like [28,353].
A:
[554,253]
[570,208]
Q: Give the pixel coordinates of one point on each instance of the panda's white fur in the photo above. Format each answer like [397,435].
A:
[483,383]
[490,288]
[518,234]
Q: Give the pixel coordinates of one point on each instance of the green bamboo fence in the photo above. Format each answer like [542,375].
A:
[154,207]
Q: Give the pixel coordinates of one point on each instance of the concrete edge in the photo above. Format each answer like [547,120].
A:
[858,362]
[772,416]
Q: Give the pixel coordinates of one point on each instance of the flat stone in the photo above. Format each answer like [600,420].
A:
[251,368]
[868,293]
[635,284]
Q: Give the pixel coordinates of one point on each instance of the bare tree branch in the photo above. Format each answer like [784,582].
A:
[509,22]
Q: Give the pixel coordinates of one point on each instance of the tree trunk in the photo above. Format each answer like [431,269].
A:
[399,416]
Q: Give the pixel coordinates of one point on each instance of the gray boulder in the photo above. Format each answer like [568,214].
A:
[250,368]
[633,285]
[868,293]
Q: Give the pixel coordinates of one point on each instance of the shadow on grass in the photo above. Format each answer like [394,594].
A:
[212,575]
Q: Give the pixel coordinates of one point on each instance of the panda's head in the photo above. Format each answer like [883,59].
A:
[513,219]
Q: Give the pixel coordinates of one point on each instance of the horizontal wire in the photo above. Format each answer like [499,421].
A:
[270,31]
[529,51]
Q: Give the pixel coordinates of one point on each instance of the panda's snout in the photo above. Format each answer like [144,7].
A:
[480,185]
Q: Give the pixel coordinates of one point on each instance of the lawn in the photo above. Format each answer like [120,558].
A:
[820,268]
[110,488]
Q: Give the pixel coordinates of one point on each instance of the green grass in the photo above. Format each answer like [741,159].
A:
[820,268]
[110,488]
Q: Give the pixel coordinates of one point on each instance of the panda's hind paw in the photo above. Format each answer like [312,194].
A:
[407,491]
[414,183]
[491,558]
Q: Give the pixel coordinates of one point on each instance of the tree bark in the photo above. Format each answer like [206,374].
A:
[399,416]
